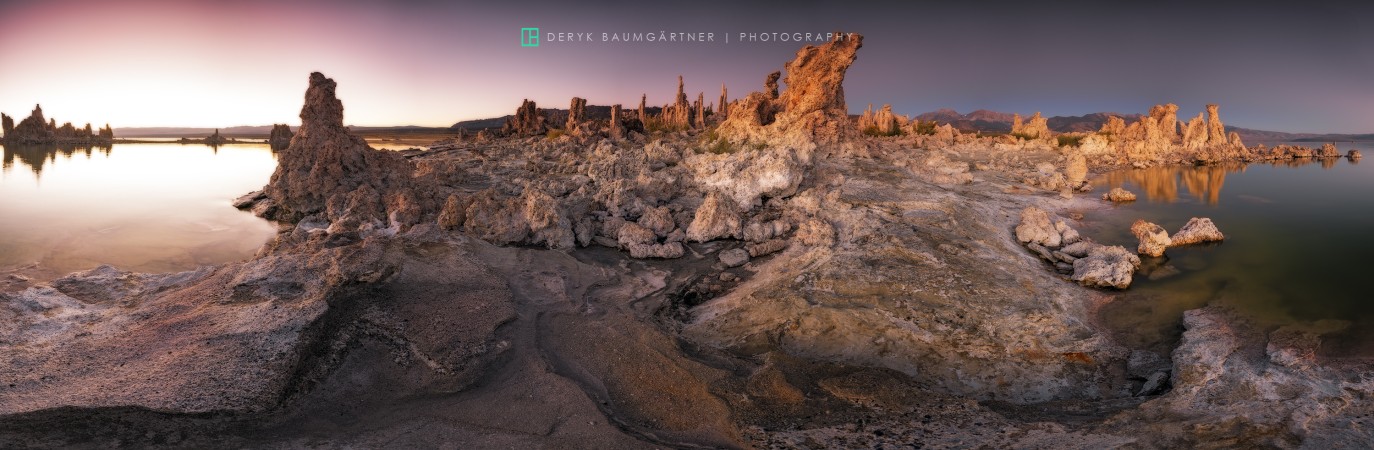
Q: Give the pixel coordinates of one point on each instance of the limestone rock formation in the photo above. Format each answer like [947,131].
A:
[1076,171]
[1036,228]
[1197,230]
[216,139]
[328,171]
[811,111]
[37,129]
[722,106]
[880,123]
[699,112]
[1036,128]
[280,137]
[1153,238]
[643,117]
[1106,267]
[770,84]
[528,120]
[577,113]
[1119,195]
[1353,155]
[1328,150]
[615,128]
[1216,132]
[1166,120]
[717,217]
[678,115]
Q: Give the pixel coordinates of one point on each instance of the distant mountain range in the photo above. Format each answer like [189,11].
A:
[980,120]
[254,131]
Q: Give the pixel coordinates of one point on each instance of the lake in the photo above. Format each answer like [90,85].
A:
[1299,235]
[140,207]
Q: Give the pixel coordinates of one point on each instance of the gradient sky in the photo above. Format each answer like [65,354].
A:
[1284,67]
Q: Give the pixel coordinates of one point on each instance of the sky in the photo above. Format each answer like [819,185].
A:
[1296,67]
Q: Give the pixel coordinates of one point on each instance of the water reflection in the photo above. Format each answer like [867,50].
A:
[36,155]
[1297,244]
[141,207]
[1203,183]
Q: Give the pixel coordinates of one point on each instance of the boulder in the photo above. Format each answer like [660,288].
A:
[1036,228]
[1105,266]
[1119,195]
[734,257]
[717,217]
[1153,238]
[1197,230]
[1353,155]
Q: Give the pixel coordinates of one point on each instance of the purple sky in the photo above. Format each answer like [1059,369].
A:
[1283,67]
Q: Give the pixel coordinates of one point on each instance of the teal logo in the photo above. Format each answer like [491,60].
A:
[529,37]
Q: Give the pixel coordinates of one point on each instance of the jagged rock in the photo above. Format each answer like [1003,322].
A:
[643,116]
[1119,195]
[577,113]
[616,126]
[880,123]
[37,129]
[717,217]
[1195,231]
[1328,150]
[216,139]
[723,106]
[1353,155]
[659,220]
[811,111]
[678,116]
[1166,120]
[280,137]
[1076,171]
[1216,132]
[770,85]
[1106,266]
[454,212]
[699,111]
[528,120]
[327,169]
[734,257]
[1036,228]
[1037,127]
[1153,238]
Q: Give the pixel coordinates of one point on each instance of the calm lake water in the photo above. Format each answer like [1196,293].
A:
[1299,238]
[141,207]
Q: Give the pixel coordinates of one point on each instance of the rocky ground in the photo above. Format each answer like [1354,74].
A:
[766,275]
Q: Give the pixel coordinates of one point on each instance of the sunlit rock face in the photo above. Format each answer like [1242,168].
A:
[811,110]
[528,120]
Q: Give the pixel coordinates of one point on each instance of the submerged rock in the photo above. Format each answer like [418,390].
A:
[1119,195]
[1197,230]
[1353,154]
[1153,238]
[1106,266]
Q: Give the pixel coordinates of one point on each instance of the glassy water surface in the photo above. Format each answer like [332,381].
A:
[1299,238]
[140,207]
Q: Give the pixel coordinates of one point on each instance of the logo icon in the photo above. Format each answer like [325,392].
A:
[529,37]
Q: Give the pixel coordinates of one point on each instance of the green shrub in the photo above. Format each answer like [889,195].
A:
[1023,136]
[873,131]
[555,133]
[925,128]
[1070,141]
